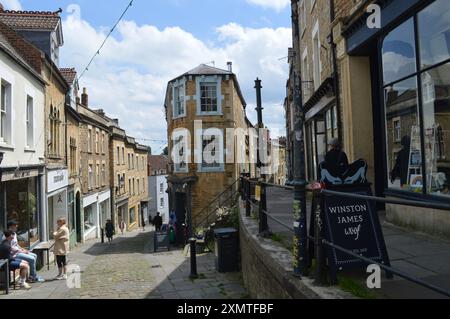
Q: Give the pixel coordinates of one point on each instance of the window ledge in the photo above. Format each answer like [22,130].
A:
[7,147]
[29,150]
[179,117]
[210,114]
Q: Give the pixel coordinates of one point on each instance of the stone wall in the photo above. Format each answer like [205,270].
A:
[267,269]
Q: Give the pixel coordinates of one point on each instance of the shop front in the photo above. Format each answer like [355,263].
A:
[410,70]
[96,211]
[57,198]
[21,194]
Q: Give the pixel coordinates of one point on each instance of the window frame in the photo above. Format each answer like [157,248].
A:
[217,80]
[201,134]
[179,84]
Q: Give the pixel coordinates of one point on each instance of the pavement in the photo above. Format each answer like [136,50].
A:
[129,269]
[416,254]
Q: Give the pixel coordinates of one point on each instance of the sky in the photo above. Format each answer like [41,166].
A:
[158,40]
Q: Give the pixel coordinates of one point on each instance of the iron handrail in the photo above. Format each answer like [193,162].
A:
[402,202]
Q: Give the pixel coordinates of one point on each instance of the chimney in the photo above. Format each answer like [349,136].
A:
[230,66]
[85,98]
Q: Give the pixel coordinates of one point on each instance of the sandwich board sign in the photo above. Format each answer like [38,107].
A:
[353,224]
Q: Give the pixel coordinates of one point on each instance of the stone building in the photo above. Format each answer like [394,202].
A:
[200,106]
[390,64]
[129,182]
[44,31]
[94,169]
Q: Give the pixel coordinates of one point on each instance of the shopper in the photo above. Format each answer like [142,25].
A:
[61,249]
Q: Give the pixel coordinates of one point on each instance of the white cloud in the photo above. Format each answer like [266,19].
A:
[277,5]
[129,77]
[12,4]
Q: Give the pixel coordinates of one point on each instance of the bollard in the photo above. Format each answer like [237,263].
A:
[103,235]
[193,243]
[263,225]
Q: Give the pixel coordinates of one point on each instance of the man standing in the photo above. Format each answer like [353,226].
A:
[157,222]
[23,254]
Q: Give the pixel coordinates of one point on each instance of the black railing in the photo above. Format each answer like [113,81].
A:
[222,200]
[318,241]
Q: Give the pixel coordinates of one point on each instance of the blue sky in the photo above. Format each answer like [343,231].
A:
[160,39]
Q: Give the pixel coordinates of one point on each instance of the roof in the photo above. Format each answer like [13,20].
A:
[69,74]
[23,52]
[30,20]
[204,69]
[158,162]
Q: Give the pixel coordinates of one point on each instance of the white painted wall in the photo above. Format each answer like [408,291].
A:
[156,195]
[23,84]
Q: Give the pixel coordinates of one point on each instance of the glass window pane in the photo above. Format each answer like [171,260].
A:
[436,110]
[404,154]
[434,33]
[33,211]
[399,53]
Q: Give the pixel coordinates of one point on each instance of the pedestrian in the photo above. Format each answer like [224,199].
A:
[122,226]
[14,263]
[157,222]
[336,156]
[23,254]
[61,249]
[109,228]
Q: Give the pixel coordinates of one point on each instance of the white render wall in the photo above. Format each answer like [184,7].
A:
[23,84]
[155,194]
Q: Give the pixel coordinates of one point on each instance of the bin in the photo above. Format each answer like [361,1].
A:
[226,250]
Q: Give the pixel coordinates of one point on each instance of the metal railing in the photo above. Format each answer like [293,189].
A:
[318,241]
[221,200]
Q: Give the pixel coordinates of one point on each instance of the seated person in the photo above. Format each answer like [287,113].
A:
[23,254]
[14,264]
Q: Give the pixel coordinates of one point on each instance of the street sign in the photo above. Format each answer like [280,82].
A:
[161,241]
[353,224]
[258,193]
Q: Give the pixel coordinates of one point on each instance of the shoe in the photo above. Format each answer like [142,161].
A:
[60,277]
[36,279]
[25,286]
[40,279]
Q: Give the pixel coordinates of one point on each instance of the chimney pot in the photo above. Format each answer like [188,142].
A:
[230,66]
[85,98]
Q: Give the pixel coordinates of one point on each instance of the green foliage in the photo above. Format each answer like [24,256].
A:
[355,288]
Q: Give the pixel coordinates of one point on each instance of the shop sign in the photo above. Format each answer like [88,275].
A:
[57,180]
[12,176]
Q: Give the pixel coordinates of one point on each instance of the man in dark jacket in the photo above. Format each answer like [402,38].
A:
[157,222]
[336,155]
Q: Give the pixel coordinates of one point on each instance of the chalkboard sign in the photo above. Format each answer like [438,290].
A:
[162,242]
[353,224]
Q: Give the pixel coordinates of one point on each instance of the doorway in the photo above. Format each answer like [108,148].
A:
[180,213]
[78,217]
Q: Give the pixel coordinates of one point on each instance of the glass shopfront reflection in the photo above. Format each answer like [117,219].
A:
[21,205]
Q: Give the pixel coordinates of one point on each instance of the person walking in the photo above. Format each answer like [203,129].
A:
[61,249]
[157,222]
[122,226]
[109,228]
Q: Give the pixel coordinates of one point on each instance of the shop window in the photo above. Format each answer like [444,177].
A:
[436,120]
[22,206]
[399,53]
[89,219]
[405,158]
[434,33]
[132,216]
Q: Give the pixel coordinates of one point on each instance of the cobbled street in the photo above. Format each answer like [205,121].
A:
[128,269]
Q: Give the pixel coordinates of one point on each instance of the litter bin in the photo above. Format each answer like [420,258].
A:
[226,250]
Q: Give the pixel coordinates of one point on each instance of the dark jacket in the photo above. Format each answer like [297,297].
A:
[109,228]
[5,250]
[337,157]
[157,221]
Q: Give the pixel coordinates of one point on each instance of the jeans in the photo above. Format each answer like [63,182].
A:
[31,259]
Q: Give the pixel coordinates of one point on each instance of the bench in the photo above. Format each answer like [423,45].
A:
[4,265]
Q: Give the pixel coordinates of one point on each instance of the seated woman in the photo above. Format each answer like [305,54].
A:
[14,264]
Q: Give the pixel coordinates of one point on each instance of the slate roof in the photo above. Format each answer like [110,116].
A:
[158,162]
[204,69]
[30,20]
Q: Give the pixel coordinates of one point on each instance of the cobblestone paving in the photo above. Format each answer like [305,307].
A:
[128,269]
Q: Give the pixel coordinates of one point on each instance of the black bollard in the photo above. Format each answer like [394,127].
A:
[193,243]
[103,235]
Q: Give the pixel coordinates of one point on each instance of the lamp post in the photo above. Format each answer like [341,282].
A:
[299,182]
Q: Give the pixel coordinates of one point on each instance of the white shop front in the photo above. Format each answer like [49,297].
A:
[57,186]
[96,210]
